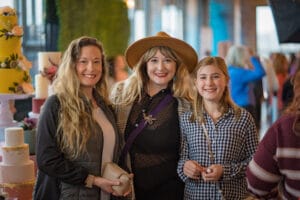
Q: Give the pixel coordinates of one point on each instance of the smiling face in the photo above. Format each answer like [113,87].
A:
[161,70]
[210,83]
[89,67]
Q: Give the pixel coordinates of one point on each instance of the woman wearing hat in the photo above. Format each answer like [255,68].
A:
[147,106]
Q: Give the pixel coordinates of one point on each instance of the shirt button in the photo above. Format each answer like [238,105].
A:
[136,125]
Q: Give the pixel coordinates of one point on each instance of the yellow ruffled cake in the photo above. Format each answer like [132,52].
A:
[14,67]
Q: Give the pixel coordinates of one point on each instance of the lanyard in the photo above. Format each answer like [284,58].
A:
[211,156]
[208,141]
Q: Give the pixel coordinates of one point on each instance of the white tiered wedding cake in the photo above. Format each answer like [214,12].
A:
[48,63]
[16,166]
[17,173]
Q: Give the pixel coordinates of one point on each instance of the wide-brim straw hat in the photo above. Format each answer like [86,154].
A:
[186,52]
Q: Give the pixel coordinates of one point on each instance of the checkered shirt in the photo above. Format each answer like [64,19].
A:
[234,141]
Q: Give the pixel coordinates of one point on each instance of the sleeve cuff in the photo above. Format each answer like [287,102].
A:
[89,181]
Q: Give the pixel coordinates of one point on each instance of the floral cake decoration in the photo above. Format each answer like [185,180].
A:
[10,30]
[15,61]
[28,123]
[50,71]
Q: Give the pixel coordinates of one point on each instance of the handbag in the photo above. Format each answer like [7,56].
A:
[113,171]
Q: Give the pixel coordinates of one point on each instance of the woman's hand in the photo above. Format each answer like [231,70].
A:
[193,169]
[106,184]
[130,188]
[212,173]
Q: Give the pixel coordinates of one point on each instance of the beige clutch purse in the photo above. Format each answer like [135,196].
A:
[113,171]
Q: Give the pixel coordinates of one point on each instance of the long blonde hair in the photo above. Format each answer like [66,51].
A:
[225,102]
[137,82]
[75,116]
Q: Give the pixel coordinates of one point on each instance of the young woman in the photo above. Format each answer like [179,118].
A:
[218,138]
[160,66]
[77,132]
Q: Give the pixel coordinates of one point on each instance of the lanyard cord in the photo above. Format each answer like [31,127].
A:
[211,156]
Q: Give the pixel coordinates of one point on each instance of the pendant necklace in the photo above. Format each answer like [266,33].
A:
[148,118]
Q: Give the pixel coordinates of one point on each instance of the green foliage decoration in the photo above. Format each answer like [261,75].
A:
[105,20]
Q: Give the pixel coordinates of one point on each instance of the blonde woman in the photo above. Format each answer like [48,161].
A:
[246,73]
[77,132]
[160,66]
[218,138]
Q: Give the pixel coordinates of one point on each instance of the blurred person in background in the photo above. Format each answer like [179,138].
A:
[293,57]
[244,69]
[270,88]
[287,89]
[118,70]
[280,64]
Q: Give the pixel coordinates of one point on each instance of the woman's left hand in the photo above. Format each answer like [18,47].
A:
[130,189]
[213,173]
[106,184]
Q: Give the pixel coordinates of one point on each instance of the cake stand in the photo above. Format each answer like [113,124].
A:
[6,116]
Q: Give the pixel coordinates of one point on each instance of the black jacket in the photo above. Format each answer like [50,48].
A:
[55,172]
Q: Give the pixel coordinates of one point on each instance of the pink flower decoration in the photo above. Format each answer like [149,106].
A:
[24,63]
[27,87]
[29,123]
[17,31]
[50,71]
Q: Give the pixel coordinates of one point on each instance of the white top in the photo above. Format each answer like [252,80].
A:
[108,141]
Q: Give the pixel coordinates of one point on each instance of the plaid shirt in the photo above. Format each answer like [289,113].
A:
[234,142]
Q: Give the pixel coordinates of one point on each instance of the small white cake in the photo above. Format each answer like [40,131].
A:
[14,136]
[16,166]
[41,86]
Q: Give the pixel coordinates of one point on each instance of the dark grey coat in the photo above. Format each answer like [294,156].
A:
[58,177]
